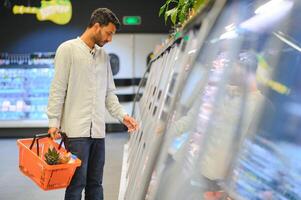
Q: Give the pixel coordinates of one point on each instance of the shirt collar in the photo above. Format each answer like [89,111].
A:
[96,47]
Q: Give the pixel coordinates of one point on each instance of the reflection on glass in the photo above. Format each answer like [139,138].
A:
[268,165]
[235,130]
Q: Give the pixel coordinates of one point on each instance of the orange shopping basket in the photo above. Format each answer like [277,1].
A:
[33,165]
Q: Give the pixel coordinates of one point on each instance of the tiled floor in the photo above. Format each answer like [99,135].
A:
[15,186]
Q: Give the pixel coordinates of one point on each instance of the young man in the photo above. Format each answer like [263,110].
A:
[81,89]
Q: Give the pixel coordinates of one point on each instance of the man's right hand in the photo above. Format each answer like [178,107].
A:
[54,133]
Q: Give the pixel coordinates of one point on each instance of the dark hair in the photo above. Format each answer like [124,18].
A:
[103,16]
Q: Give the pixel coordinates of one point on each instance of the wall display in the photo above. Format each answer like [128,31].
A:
[25,81]
[66,19]
[57,11]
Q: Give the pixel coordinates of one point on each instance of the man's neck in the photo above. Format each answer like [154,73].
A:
[86,37]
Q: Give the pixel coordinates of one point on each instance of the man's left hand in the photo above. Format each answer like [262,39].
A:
[130,123]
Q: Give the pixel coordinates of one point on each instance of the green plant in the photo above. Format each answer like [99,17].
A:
[199,4]
[178,10]
[52,157]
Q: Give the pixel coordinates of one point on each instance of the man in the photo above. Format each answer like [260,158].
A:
[81,89]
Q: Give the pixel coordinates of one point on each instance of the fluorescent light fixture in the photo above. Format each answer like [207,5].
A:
[229,35]
[230,27]
[267,7]
[288,42]
[267,15]
[192,51]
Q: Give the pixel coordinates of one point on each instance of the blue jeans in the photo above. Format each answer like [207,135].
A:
[89,175]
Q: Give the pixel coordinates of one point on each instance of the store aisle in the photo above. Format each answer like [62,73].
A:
[15,186]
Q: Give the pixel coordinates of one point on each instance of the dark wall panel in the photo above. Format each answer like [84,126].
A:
[24,34]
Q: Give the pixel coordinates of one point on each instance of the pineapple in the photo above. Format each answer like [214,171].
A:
[52,157]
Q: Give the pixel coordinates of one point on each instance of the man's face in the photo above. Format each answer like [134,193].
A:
[104,34]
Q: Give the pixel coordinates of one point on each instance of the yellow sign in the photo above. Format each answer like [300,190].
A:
[274,85]
[57,11]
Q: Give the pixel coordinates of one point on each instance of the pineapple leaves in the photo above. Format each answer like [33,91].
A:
[52,156]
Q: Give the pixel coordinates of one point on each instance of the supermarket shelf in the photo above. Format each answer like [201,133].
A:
[25,123]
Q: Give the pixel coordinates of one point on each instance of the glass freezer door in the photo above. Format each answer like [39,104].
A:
[268,165]
[237,63]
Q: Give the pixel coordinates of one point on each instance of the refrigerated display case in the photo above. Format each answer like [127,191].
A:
[154,95]
[173,66]
[233,129]
[25,81]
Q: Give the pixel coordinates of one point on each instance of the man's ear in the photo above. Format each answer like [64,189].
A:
[96,26]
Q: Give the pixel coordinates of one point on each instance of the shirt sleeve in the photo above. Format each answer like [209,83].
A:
[112,102]
[62,62]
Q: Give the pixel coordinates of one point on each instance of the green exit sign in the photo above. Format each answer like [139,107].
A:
[131,20]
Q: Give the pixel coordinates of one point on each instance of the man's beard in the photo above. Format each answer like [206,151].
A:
[101,43]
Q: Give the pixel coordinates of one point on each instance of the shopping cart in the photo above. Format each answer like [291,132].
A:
[33,164]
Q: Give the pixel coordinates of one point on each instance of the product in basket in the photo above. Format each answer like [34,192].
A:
[65,157]
[53,157]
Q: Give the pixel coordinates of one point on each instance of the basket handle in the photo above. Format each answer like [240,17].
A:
[36,138]
[65,140]
[44,135]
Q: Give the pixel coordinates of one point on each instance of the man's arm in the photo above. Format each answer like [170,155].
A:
[114,107]
[58,88]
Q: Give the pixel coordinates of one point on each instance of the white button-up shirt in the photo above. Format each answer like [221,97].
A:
[81,89]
